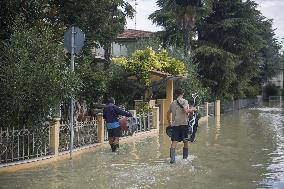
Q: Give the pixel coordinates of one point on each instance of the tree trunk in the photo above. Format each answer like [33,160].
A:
[107,55]
[186,36]
[148,94]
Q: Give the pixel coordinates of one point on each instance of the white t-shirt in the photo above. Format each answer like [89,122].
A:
[179,116]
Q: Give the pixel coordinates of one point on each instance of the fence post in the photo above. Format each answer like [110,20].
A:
[163,111]
[152,103]
[206,108]
[217,108]
[239,104]
[155,112]
[54,136]
[169,97]
[101,128]
[133,112]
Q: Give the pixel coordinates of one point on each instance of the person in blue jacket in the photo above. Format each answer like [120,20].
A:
[110,114]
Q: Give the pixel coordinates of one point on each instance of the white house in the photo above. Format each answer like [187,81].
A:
[125,44]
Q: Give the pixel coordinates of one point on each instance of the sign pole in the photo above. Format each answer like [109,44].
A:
[72,99]
[74,40]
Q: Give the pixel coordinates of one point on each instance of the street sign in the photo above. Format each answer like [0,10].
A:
[79,39]
[74,40]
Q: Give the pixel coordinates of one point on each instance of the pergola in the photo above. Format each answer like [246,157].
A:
[169,78]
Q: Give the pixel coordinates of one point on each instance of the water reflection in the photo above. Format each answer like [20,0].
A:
[238,150]
[218,126]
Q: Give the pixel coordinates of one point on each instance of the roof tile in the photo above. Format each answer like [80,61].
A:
[134,34]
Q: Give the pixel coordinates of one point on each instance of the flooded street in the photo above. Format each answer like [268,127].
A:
[241,150]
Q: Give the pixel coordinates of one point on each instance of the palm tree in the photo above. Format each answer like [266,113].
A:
[187,13]
[178,17]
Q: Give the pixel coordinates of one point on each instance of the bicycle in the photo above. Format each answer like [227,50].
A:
[193,121]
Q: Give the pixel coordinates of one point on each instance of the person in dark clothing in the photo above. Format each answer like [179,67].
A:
[110,114]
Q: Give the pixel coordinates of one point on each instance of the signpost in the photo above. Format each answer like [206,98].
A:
[74,40]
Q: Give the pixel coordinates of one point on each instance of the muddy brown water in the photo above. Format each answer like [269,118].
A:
[240,150]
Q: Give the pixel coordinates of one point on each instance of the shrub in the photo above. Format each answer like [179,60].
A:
[35,77]
[271,90]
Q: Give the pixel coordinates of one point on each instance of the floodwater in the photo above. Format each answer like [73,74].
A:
[240,150]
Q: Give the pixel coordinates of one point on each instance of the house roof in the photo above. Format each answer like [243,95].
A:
[134,34]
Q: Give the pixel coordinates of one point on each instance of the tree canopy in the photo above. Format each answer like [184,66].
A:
[35,77]
[224,48]
[143,61]
[236,28]
[179,18]
[34,70]
[235,48]
[101,20]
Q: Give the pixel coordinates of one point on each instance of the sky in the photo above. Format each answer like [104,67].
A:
[272,9]
[143,10]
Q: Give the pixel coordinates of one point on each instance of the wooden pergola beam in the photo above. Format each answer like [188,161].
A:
[169,78]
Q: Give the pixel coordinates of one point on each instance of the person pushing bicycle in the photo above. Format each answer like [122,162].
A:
[177,117]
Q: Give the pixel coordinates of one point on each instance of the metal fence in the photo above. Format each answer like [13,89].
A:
[244,103]
[34,142]
[144,123]
[85,133]
[276,98]
[276,101]
[23,144]
[202,111]
[227,106]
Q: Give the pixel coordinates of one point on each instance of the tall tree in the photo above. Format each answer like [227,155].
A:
[101,20]
[215,69]
[186,16]
[38,13]
[179,17]
[34,77]
[237,28]
[270,53]
[235,48]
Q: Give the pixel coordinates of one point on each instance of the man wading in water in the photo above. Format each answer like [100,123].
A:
[110,114]
[177,117]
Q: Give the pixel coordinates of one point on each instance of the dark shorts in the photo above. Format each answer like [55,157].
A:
[116,132]
[180,133]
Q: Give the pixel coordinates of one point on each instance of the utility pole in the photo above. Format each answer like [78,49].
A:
[135,7]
